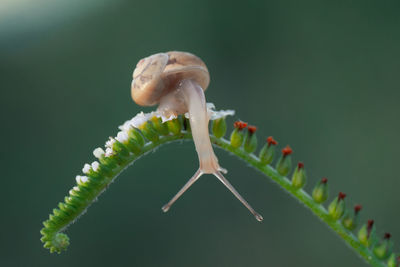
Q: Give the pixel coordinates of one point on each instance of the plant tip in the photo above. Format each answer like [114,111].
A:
[271,141]
[252,129]
[370,224]
[387,236]
[341,196]
[287,151]
[240,125]
[357,208]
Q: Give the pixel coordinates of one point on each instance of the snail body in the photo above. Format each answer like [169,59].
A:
[176,81]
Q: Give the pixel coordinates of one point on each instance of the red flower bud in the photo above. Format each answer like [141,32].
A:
[287,151]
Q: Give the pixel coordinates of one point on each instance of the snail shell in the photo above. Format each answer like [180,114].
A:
[159,74]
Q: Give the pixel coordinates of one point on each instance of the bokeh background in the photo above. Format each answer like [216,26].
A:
[321,76]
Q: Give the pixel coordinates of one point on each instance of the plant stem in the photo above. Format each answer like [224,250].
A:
[304,198]
[54,226]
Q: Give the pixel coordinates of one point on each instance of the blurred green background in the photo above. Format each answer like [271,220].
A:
[321,76]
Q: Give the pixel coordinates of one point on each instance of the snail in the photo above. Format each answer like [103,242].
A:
[176,81]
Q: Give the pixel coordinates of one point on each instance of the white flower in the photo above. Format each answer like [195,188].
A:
[126,126]
[221,114]
[98,152]
[109,152]
[136,122]
[110,142]
[73,191]
[165,119]
[86,168]
[81,180]
[217,114]
[210,106]
[122,137]
[95,166]
[141,119]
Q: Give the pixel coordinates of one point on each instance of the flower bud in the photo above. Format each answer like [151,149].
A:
[59,243]
[59,213]
[219,127]
[237,136]
[121,150]
[174,126]
[107,163]
[149,132]
[268,151]
[250,141]
[73,201]
[337,206]
[96,171]
[68,209]
[115,153]
[135,140]
[159,126]
[284,164]
[393,261]
[384,248]
[81,180]
[366,234]
[133,146]
[320,193]
[135,135]
[350,220]
[299,177]
[124,138]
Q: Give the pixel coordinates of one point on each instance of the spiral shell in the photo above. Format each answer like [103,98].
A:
[159,74]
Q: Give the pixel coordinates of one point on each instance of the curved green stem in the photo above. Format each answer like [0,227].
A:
[75,205]
[304,198]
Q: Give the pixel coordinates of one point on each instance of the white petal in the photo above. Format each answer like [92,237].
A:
[98,152]
[210,105]
[73,191]
[217,114]
[139,119]
[122,137]
[86,168]
[95,166]
[221,114]
[165,119]
[109,152]
[126,126]
[110,142]
[81,180]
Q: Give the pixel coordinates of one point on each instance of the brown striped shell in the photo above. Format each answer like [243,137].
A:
[157,75]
